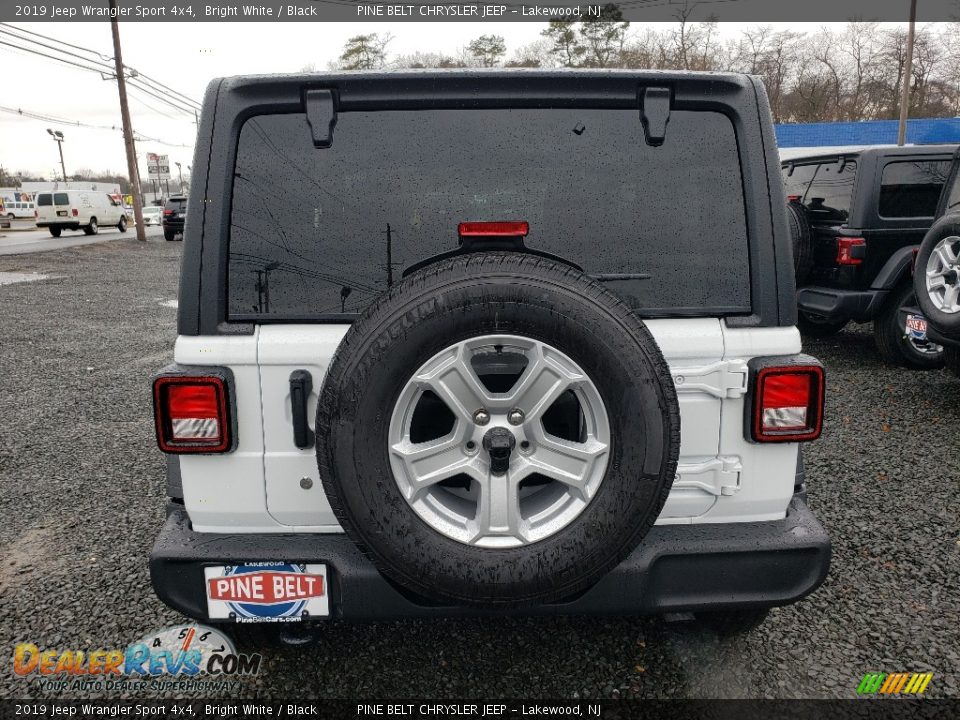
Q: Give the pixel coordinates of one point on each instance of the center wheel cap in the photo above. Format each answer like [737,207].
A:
[499,442]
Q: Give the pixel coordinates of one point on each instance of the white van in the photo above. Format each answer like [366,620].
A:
[76,209]
[17,209]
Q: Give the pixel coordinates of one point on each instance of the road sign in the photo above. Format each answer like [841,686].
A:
[158,166]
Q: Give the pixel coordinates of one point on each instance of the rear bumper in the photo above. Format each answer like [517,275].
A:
[835,304]
[676,568]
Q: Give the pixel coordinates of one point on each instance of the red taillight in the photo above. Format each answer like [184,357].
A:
[168,212]
[851,251]
[75,212]
[788,403]
[493,229]
[36,213]
[191,414]
[793,198]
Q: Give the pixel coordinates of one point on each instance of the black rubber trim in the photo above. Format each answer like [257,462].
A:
[836,304]
[895,270]
[677,568]
[174,479]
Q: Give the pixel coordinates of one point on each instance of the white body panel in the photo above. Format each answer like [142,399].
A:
[721,477]
[86,204]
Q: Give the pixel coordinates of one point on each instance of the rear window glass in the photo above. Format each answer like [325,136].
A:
[177,205]
[44,199]
[61,199]
[325,231]
[825,189]
[912,188]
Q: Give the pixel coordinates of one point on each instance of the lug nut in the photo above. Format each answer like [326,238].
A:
[515,417]
[481,417]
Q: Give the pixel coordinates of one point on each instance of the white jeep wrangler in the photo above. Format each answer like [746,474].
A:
[456,343]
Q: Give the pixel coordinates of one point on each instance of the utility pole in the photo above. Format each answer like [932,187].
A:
[907,76]
[127,127]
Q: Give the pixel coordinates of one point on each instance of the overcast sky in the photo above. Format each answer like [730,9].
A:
[185,57]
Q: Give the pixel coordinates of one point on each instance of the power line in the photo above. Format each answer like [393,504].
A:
[156,84]
[147,86]
[76,123]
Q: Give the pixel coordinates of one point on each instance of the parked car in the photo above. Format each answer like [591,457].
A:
[13,209]
[435,357]
[79,209]
[937,273]
[860,215]
[174,217]
[152,215]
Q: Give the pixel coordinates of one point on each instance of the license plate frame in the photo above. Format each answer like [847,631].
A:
[265,592]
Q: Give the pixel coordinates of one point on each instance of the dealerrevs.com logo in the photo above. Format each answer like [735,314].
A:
[181,657]
[903,683]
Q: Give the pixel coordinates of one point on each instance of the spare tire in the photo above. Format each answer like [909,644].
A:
[936,278]
[497,429]
[801,238]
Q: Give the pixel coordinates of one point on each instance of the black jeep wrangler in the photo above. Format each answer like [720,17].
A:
[860,214]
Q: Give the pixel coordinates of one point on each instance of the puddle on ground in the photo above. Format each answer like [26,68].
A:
[9,278]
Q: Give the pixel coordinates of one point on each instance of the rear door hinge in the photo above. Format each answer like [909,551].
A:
[654,114]
[723,379]
[717,476]
[321,116]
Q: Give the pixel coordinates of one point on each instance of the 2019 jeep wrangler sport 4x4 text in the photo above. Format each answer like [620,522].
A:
[487,342]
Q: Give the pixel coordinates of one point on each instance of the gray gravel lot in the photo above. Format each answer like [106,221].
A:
[82,498]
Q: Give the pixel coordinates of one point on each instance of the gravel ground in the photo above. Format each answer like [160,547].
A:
[83,498]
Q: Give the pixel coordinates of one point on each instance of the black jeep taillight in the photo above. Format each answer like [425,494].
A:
[787,403]
[192,414]
[851,250]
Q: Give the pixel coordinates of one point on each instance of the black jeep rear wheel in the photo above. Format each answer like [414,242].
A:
[480,396]
[816,326]
[895,344]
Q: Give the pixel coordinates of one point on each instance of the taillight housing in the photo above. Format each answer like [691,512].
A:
[787,403]
[192,414]
[74,212]
[168,212]
[851,250]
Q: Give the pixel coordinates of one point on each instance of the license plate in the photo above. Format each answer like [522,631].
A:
[61,213]
[266,592]
[917,327]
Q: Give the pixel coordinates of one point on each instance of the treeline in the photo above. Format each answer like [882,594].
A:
[853,74]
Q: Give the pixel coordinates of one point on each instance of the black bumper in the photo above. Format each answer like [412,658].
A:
[676,568]
[835,304]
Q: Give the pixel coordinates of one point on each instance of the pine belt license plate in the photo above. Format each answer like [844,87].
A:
[917,327]
[266,592]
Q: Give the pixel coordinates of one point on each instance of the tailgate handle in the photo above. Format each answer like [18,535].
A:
[655,114]
[301,385]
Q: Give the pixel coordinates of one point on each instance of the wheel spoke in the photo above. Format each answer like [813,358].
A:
[430,462]
[544,380]
[453,380]
[568,462]
[946,255]
[950,296]
[498,508]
